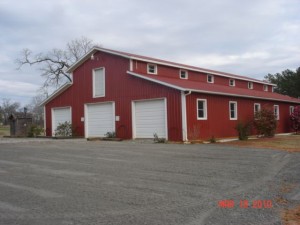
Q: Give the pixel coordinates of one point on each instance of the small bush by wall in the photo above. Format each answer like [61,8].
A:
[265,122]
[243,129]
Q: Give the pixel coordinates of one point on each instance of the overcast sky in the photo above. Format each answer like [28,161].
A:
[251,38]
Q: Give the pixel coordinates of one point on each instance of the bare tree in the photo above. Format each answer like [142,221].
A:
[8,108]
[54,64]
[35,110]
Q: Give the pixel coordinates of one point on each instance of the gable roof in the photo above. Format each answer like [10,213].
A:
[201,87]
[131,56]
[182,84]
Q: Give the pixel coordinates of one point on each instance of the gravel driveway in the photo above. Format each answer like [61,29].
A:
[64,182]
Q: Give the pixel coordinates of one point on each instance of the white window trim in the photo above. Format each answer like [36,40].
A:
[94,84]
[212,78]
[291,109]
[151,64]
[265,87]
[250,85]
[186,74]
[205,109]
[259,108]
[277,116]
[233,85]
[235,109]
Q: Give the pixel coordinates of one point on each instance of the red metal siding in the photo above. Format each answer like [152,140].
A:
[167,71]
[218,123]
[120,88]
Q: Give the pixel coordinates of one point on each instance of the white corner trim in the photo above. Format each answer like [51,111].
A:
[184,118]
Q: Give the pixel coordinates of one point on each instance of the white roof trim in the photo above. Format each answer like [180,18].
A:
[202,71]
[242,96]
[156,81]
[92,51]
[206,92]
[56,93]
[186,67]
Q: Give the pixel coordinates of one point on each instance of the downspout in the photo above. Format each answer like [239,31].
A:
[183,115]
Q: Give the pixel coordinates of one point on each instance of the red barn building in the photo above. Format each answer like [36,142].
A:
[137,96]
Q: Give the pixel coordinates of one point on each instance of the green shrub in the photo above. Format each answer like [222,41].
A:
[110,134]
[243,130]
[35,130]
[295,119]
[64,129]
[212,139]
[156,139]
[265,122]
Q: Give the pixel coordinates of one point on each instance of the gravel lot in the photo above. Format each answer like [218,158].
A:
[66,182]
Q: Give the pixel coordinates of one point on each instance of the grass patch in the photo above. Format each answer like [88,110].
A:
[4,131]
[288,143]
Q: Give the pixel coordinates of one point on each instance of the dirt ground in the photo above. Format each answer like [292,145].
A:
[290,143]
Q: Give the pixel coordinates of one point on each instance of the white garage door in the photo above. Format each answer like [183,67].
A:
[150,118]
[60,115]
[100,119]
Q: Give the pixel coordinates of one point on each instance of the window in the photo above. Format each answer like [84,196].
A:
[210,78]
[99,82]
[201,109]
[265,87]
[291,109]
[183,74]
[250,85]
[233,110]
[231,82]
[273,88]
[256,108]
[276,111]
[152,69]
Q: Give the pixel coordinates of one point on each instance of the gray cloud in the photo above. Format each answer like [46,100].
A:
[246,37]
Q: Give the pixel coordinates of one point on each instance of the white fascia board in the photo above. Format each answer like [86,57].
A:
[241,96]
[96,48]
[56,93]
[205,92]
[81,60]
[156,81]
[88,55]
[200,70]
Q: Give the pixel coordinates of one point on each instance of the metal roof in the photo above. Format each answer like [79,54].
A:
[202,87]
[161,62]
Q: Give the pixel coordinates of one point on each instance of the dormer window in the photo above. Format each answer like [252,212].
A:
[273,89]
[231,82]
[210,78]
[151,69]
[265,87]
[183,74]
[250,85]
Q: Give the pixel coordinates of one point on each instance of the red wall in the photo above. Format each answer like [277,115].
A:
[120,88]
[218,123]
[167,71]
[123,88]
